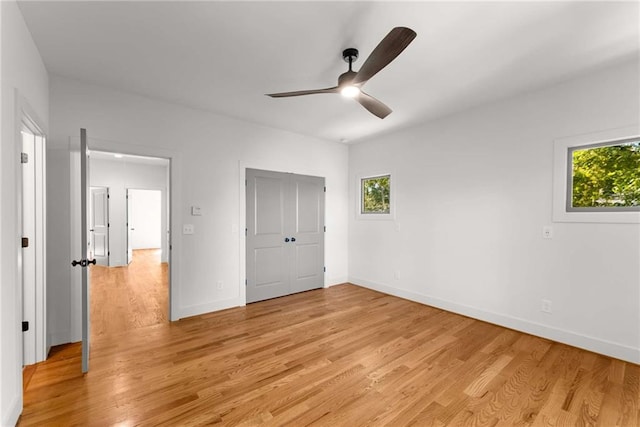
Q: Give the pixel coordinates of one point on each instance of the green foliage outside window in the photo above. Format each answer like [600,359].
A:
[376,195]
[607,176]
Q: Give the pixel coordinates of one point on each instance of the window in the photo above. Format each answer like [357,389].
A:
[596,177]
[604,177]
[375,193]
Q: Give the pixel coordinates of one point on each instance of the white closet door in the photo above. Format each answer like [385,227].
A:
[267,258]
[307,265]
[285,234]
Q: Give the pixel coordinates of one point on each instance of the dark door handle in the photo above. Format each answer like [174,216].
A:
[293,239]
[83,262]
[286,239]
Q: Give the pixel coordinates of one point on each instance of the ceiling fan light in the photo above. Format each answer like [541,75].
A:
[350,91]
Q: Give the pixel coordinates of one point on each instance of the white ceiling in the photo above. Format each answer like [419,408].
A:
[224,56]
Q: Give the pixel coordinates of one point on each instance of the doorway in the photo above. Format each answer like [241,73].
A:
[99,225]
[285,233]
[144,220]
[131,290]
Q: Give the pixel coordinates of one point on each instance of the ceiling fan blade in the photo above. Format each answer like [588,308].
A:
[303,92]
[386,51]
[374,106]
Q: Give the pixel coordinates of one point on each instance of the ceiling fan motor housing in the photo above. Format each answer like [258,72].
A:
[346,78]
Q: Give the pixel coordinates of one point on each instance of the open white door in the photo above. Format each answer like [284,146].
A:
[85,261]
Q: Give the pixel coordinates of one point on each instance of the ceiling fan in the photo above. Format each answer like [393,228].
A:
[350,83]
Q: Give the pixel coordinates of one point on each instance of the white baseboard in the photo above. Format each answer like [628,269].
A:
[195,310]
[335,281]
[597,345]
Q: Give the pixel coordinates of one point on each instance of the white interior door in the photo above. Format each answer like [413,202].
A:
[32,265]
[307,265]
[267,249]
[85,257]
[28,249]
[130,227]
[99,224]
[285,234]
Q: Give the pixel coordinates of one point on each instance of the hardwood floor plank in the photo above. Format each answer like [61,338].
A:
[343,356]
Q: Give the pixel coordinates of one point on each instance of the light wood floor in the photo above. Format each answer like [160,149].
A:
[343,356]
[131,297]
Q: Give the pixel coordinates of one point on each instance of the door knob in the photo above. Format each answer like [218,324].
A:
[293,239]
[83,262]
[286,239]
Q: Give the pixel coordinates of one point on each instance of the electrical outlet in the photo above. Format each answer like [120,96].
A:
[396,274]
[188,229]
[546,306]
[547,232]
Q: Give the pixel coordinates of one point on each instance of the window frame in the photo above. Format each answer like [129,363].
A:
[563,178]
[360,177]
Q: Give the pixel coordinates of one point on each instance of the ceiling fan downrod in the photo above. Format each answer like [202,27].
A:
[350,55]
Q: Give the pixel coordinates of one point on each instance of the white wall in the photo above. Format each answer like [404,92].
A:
[118,175]
[22,70]
[209,154]
[144,218]
[473,192]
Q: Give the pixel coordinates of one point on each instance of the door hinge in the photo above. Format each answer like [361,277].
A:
[245,232]
[25,326]
[25,242]
[325,189]
[325,228]
[246,282]
[324,269]
[108,253]
[24,158]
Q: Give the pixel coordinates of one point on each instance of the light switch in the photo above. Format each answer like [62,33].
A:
[196,211]
[187,229]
